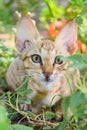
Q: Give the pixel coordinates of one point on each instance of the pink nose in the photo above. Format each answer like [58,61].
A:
[47,74]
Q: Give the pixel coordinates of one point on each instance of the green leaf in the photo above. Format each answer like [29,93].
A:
[25,92]
[21,127]
[4,121]
[24,101]
[84,10]
[81,110]
[62,125]
[23,86]
[47,128]
[79,61]
[79,20]
[65,106]
[76,3]
[22,89]
[49,115]
[84,127]
[9,128]
[76,101]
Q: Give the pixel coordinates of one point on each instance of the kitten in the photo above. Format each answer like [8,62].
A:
[38,59]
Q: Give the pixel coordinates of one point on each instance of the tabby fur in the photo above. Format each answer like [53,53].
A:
[48,76]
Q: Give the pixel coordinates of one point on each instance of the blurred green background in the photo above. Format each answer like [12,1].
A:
[43,10]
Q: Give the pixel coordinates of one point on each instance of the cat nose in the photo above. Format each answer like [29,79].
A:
[47,74]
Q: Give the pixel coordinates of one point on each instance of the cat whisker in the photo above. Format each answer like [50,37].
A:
[60,76]
[30,74]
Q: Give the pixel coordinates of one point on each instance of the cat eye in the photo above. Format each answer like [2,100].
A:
[36,58]
[58,61]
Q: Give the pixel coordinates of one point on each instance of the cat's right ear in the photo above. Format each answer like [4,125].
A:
[26,32]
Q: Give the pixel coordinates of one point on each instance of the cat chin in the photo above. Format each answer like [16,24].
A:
[47,87]
[47,84]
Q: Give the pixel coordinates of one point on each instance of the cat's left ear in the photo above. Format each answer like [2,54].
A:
[26,33]
[67,38]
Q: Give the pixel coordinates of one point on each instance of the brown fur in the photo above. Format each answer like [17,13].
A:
[47,77]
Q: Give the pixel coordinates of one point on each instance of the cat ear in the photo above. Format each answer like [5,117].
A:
[26,32]
[67,38]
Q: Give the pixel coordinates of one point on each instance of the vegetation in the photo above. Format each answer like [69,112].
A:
[74,107]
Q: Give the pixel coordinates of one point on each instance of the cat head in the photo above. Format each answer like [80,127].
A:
[40,54]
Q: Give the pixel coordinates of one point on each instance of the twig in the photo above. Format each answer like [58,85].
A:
[38,122]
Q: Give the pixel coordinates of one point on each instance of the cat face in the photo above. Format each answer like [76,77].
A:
[42,62]
[40,54]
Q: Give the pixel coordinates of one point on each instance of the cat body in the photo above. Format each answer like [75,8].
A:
[38,59]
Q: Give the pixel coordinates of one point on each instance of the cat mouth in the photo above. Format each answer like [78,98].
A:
[47,80]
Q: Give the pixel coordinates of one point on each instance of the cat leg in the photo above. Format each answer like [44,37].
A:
[58,110]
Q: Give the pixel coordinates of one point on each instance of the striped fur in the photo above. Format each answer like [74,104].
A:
[56,83]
